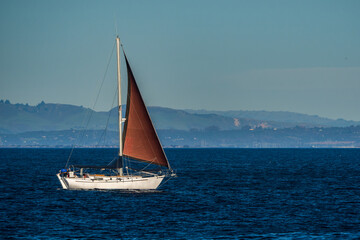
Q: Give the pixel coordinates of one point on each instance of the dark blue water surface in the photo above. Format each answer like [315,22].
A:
[220,193]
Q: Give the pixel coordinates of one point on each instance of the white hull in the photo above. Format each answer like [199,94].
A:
[111,183]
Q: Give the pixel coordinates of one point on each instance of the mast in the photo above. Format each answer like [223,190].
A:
[120,170]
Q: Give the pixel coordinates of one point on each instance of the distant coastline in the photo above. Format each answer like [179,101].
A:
[48,125]
[348,137]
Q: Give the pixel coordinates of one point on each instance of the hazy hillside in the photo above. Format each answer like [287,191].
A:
[60,125]
[18,118]
[167,118]
[294,119]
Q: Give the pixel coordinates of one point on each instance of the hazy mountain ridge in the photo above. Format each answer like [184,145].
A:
[61,125]
[298,119]
[18,118]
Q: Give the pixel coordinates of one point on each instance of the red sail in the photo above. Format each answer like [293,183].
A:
[140,139]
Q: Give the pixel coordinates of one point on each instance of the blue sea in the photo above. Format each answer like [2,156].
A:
[218,194]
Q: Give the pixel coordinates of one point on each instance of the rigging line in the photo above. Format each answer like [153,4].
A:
[112,161]
[112,106]
[130,161]
[78,134]
[98,94]
[91,113]
[146,166]
[107,121]
[165,181]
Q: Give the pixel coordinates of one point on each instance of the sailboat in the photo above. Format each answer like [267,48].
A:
[138,142]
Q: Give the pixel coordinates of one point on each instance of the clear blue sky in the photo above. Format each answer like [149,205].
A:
[300,56]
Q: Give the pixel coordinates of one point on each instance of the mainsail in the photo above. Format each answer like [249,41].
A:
[140,140]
